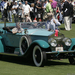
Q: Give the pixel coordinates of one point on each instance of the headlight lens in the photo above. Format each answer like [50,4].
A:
[67,41]
[52,42]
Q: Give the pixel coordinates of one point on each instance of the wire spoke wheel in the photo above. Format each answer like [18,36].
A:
[24,45]
[25,42]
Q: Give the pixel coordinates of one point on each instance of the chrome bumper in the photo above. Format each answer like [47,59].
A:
[55,52]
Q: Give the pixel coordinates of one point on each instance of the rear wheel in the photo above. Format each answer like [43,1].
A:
[25,42]
[1,56]
[39,56]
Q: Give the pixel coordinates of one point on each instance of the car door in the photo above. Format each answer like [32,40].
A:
[11,39]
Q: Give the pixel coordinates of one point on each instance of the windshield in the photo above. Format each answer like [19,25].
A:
[32,25]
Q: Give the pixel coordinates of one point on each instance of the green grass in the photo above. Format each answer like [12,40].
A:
[70,34]
[18,66]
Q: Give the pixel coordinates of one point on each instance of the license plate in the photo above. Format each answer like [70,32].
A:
[59,48]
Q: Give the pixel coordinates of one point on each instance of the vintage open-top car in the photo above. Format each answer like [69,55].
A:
[36,42]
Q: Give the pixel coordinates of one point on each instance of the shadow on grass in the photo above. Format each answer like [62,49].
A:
[29,62]
[16,59]
[62,28]
[53,63]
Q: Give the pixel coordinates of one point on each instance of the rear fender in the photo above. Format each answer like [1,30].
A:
[73,43]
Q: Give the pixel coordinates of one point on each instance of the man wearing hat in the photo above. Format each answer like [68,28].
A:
[52,23]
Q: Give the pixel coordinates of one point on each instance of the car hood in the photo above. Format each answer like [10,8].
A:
[40,32]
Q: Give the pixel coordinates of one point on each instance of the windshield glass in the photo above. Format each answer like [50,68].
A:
[32,25]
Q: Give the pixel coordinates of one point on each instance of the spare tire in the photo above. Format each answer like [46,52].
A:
[25,42]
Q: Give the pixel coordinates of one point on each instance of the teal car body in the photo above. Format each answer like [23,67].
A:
[36,42]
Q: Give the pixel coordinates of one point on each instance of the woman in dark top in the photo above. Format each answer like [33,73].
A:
[9,11]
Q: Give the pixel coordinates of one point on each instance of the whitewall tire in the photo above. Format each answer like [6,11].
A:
[39,57]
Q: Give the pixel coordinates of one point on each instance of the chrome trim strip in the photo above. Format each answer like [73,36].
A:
[60,52]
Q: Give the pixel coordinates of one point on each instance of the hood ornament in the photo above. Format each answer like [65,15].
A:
[25,31]
[56,33]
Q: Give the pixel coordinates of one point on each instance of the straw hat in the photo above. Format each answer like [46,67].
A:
[32,4]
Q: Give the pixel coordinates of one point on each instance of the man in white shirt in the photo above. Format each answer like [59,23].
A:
[15,11]
[26,8]
[17,29]
[15,6]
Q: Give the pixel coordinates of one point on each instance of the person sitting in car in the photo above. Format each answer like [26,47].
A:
[17,29]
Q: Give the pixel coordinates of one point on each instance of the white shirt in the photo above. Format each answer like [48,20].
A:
[17,30]
[5,5]
[26,8]
[31,8]
[14,11]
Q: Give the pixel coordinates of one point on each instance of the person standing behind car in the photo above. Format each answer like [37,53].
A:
[54,6]
[71,13]
[37,9]
[20,11]
[66,15]
[15,11]
[48,7]
[26,8]
[9,8]
[5,9]
[32,15]
[2,9]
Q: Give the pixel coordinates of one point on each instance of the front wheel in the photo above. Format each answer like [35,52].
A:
[39,56]
[71,60]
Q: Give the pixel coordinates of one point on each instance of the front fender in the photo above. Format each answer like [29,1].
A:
[41,43]
[73,43]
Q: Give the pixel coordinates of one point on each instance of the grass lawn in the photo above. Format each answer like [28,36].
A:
[16,66]
[69,34]
[19,66]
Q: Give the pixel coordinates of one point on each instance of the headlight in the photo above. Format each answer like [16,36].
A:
[52,42]
[67,41]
